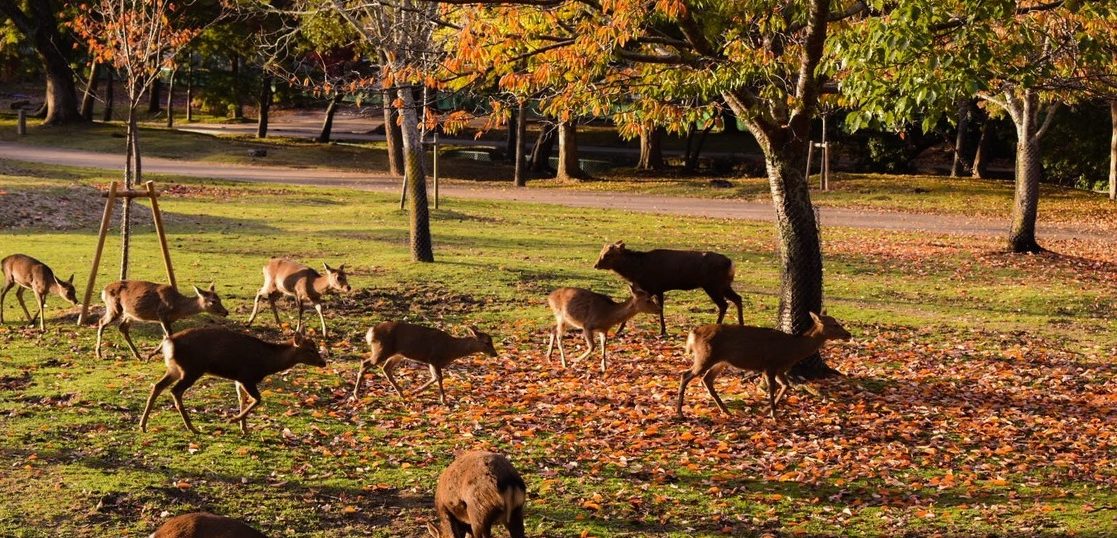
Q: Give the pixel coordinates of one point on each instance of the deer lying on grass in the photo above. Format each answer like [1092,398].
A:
[756,349]
[285,277]
[205,525]
[243,358]
[478,490]
[136,300]
[595,314]
[31,274]
[659,271]
[393,341]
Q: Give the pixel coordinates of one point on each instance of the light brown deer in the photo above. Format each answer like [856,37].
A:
[136,300]
[391,342]
[31,274]
[477,491]
[756,349]
[595,314]
[285,277]
[218,351]
[205,525]
[659,271]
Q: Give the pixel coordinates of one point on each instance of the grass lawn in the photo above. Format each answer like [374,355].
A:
[978,399]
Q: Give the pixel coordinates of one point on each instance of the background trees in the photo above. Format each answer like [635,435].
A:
[39,22]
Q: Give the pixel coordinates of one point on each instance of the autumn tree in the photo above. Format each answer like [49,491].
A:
[38,21]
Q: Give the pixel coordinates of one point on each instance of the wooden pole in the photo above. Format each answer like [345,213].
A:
[810,157]
[158,217]
[97,254]
[825,166]
[21,124]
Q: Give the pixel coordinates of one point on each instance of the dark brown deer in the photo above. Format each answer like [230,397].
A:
[393,341]
[659,271]
[595,314]
[242,358]
[479,490]
[136,300]
[756,349]
[31,274]
[305,285]
[205,525]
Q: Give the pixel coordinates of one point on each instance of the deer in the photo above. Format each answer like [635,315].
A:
[659,271]
[217,351]
[476,491]
[205,525]
[391,342]
[770,352]
[595,314]
[285,277]
[128,301]
[31,274]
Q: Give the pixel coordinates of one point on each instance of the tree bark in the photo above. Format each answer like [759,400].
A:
[238,104]
[393,136]
[328,121]
[510,136]
[541,152]
[1113,150]
[189,92]
[519,176]
[155,97]
[568,167]
[171,99]
[264,102]
[106,114]
[1029,170]
[651,149]
[89,97]
[980,167]
[421,249]
[40,25]
[957,166]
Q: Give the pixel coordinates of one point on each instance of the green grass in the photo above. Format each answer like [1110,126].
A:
[959,349]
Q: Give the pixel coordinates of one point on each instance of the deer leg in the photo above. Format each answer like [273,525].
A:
[560,332]
[736,300]
[41,298]
[318,308]
[299,327]
[590,344]
[166,325]
[4,294]
[255,308]
[516,524]
[104,322]
[784,383]
[662,308]
[708,381]
[620,329]
[437,373]
[241,397]
[254,395]
[176,392]
[390,365]
[602,352]
[19,297]
[770,377]
[551,343]
[685,378]
[360,378]
[128,338]
[159,387]
[720,301]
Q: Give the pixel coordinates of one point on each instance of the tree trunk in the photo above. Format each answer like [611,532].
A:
[1113,150]
[519,176]
[40,25]
[568,167]
[510,136]
[960,138]
[238,103]
[155,97]
[541,152]
[1029,172]
[89,97]
[106,114]
[265,106]
[328,121]
[171,100]
[980,166]
[421,250]
[651,149]
[393,136]
[189,93]
[131,177]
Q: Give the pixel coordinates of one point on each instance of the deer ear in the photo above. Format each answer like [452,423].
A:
[341,268]
[817,320]
[619,245]
[473,330]
[71,279]
[327,267]
[212,287]
[197,291]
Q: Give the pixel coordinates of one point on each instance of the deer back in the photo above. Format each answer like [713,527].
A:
[205,525]
[425,344]
[661,270]
[484,481]
[233,355]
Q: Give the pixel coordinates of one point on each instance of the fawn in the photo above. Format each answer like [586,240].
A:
[242,358]
[136,300]
[205,525]
[393,341]
[31,274]
[756,349]
[476,491]
[285,277]
[595,314]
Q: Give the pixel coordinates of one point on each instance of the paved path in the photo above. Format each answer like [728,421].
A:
[730,209]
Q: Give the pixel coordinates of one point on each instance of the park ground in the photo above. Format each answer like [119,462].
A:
[978,395]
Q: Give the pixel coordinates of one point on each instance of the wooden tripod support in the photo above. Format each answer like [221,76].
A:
[149,193]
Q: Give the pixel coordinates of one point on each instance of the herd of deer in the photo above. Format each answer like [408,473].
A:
[479,489]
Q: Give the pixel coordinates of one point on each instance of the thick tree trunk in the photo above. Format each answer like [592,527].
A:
[155,97]
[568,166]
[958,165]
[1113,150]
[651,149]
[328,121]
[171,100]
[980,167]
[1029,172]
[90,95]
[421,249]
[40,25]
[110,91]
[264,102]
[393,136]
[519,176]
[510,136]
[541,152]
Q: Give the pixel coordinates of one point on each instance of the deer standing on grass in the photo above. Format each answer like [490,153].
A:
[285,277]
[136,300]
[205,525]
[31,274]
[659,271]
[478,490]
[393,341]
[242,358]
[756,349]
[595,314]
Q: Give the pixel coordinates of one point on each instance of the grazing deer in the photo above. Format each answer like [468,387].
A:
[243,358]
[756,349]
[659,271]
[595,314]
[136,300]
[31,274]
[393,341]
[285,277]
[205,525]
[478,490]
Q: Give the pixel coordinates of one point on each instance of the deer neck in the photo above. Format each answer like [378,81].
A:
[621,312]
[188,306]
[626,265]
[286,357]
[466,345]
[321,284]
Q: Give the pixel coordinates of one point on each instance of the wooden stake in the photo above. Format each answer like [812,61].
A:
[158,217]
[21,123]
[97,255]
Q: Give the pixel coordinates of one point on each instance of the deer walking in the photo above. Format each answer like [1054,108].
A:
[239,357]
[595,314]
[127,301]
[659,271]
[205,525]
[477,491]
[31,274]
[285,277]
[391,342]
[756,349]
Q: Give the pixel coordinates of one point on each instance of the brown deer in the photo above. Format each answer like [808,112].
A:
[205,525]
[285,277]
[477,491]
[31,274]
[659,271]
[756,349]
[393,341]
[136,300]
[595,314]
[218,351]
